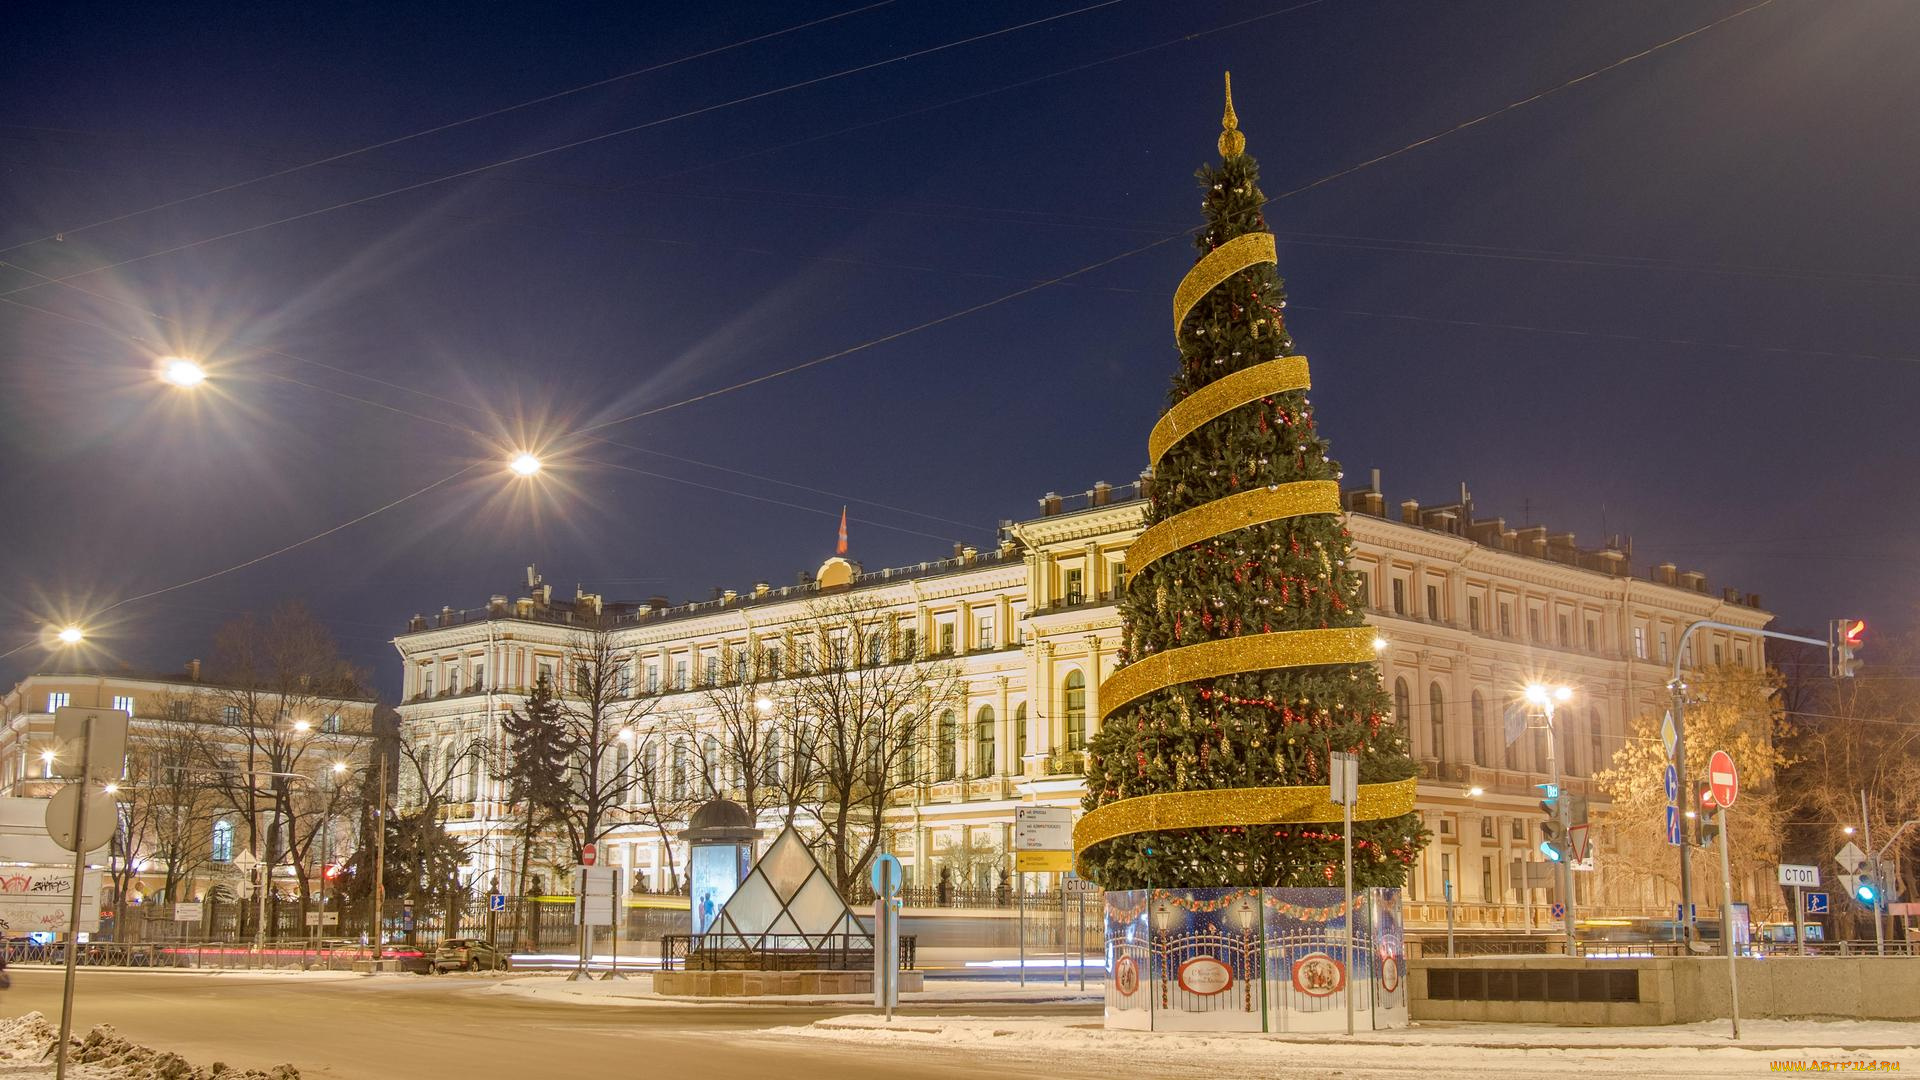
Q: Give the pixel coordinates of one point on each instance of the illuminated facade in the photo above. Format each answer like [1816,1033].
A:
[1471,610]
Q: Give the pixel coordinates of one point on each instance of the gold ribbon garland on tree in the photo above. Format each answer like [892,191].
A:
[1222,396]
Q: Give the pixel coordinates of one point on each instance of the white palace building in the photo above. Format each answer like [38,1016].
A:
[1471,610]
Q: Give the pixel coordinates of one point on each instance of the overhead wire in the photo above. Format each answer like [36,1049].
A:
[448,126]
[569,145]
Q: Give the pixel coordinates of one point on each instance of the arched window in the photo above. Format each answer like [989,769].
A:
[1596,734]
[1076,709]
[949,735]
[710,752]
[1020,738]
[1513,721]
[222,841]
[1479,717]
[770,759]
[983,741]
[1437,721]
[680,768]
[1403,707]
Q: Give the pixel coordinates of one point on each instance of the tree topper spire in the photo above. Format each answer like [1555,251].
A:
[1231,141]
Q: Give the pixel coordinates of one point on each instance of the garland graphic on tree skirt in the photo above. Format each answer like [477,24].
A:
[1313,914]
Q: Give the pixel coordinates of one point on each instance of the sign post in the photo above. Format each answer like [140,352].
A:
[1798,878]
[98,737]
[1042,843]
[1723,781]
[1344,773]
[885,876]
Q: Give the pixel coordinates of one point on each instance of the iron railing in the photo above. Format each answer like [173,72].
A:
[774,952]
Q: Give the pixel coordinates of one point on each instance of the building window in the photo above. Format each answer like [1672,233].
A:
[1366,587]
[626,679]
[1533,624]
[124,703]
[1119,568]
[1433,604]
[453,677]
[1716,654]
[1437,721]
[1593,636]
[1513,718]
[909,642]
[1446,829]
[947,630]
[741,673]
[59,699]
[1664,654]
[1486,827]
[230,714]
[1486,878]
[1565,637]
[1479,717]
[983,625]
[544,672]
[712,673]
[1519,830]
[1074,590]
[1640,642]
[680,768]
[1399,597]
[222,846]
[1506,620]
[582,678]
[983,741]
[776,662]
[1020,739]
[1402,706]
[330,723]
[680,673]
[653,679]
[1596,732]
[1076,710]
[427,685]
[1473,613]
[949,735]
[479,675]
[710,764]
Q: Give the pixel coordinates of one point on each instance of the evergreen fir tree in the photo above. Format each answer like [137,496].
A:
[1263,728]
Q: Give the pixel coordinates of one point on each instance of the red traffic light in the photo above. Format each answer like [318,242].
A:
[1853,632]
[332,871]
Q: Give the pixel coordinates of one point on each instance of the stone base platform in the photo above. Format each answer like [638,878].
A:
[774,983]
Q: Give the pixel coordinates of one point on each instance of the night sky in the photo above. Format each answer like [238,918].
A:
[1674,300]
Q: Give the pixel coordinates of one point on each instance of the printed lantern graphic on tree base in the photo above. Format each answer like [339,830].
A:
[1245,662]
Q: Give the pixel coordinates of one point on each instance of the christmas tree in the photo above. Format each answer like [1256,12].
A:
[1246,658]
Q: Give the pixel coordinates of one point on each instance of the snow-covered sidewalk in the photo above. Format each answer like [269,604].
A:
[638,990]
[1692,1050]
[104,1055]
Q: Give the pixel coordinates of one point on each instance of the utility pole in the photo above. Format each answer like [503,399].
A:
[79,884]
[380,862]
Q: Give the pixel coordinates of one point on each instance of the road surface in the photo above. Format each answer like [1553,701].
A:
[390,1027]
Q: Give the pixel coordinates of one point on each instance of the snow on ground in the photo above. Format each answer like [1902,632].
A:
[1694,1050]
[638,990]
[103,1055]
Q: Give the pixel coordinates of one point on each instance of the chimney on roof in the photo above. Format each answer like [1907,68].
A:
[1049,504]
[1753,600]
[496,605]
[446,615]
[1146,484]
[1375,488]
[1666,574]
[659,603]
[1102,493]
[967,555]
[193,670]
[762,588]
[1695,580]
[523,607]
[1410,511]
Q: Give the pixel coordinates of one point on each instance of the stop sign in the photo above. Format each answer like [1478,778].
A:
[586,851]
[1723,778]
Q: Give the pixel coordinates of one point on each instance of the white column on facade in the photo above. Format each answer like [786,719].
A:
[1093,685]
[1003,731]
[1055,724]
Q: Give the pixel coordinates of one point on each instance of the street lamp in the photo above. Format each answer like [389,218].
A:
[181,372]
[1379,643]
[301,727]
[763,705]
[1545,698]
[524,464]
[71,635]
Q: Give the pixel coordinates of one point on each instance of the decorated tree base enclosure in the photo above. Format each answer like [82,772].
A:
[1253,960]
[1245,665]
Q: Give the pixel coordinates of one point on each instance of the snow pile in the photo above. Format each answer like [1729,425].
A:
[104,1055]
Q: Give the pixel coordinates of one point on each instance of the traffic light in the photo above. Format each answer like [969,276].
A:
[1845,636]
[1553,836]
[1705,828]
[1866,890]
[1553,842]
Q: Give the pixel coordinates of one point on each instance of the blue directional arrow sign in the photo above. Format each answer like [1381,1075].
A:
[1816,903]
[1673,825]
[1673,785]
[496,902]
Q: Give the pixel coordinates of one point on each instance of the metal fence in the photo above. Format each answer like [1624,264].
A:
[774,952]
[525,924]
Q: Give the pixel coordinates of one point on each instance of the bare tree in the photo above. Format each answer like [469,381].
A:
[736,731]
[167,807]
[860,696]
[599,722]
[433,775]
[282,689]
[661,803]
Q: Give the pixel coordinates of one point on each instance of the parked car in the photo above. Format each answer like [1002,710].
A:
[469,954]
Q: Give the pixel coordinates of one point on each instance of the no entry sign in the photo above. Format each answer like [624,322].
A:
[1723,778]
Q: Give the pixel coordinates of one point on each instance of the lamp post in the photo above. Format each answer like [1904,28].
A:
[1546,697]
